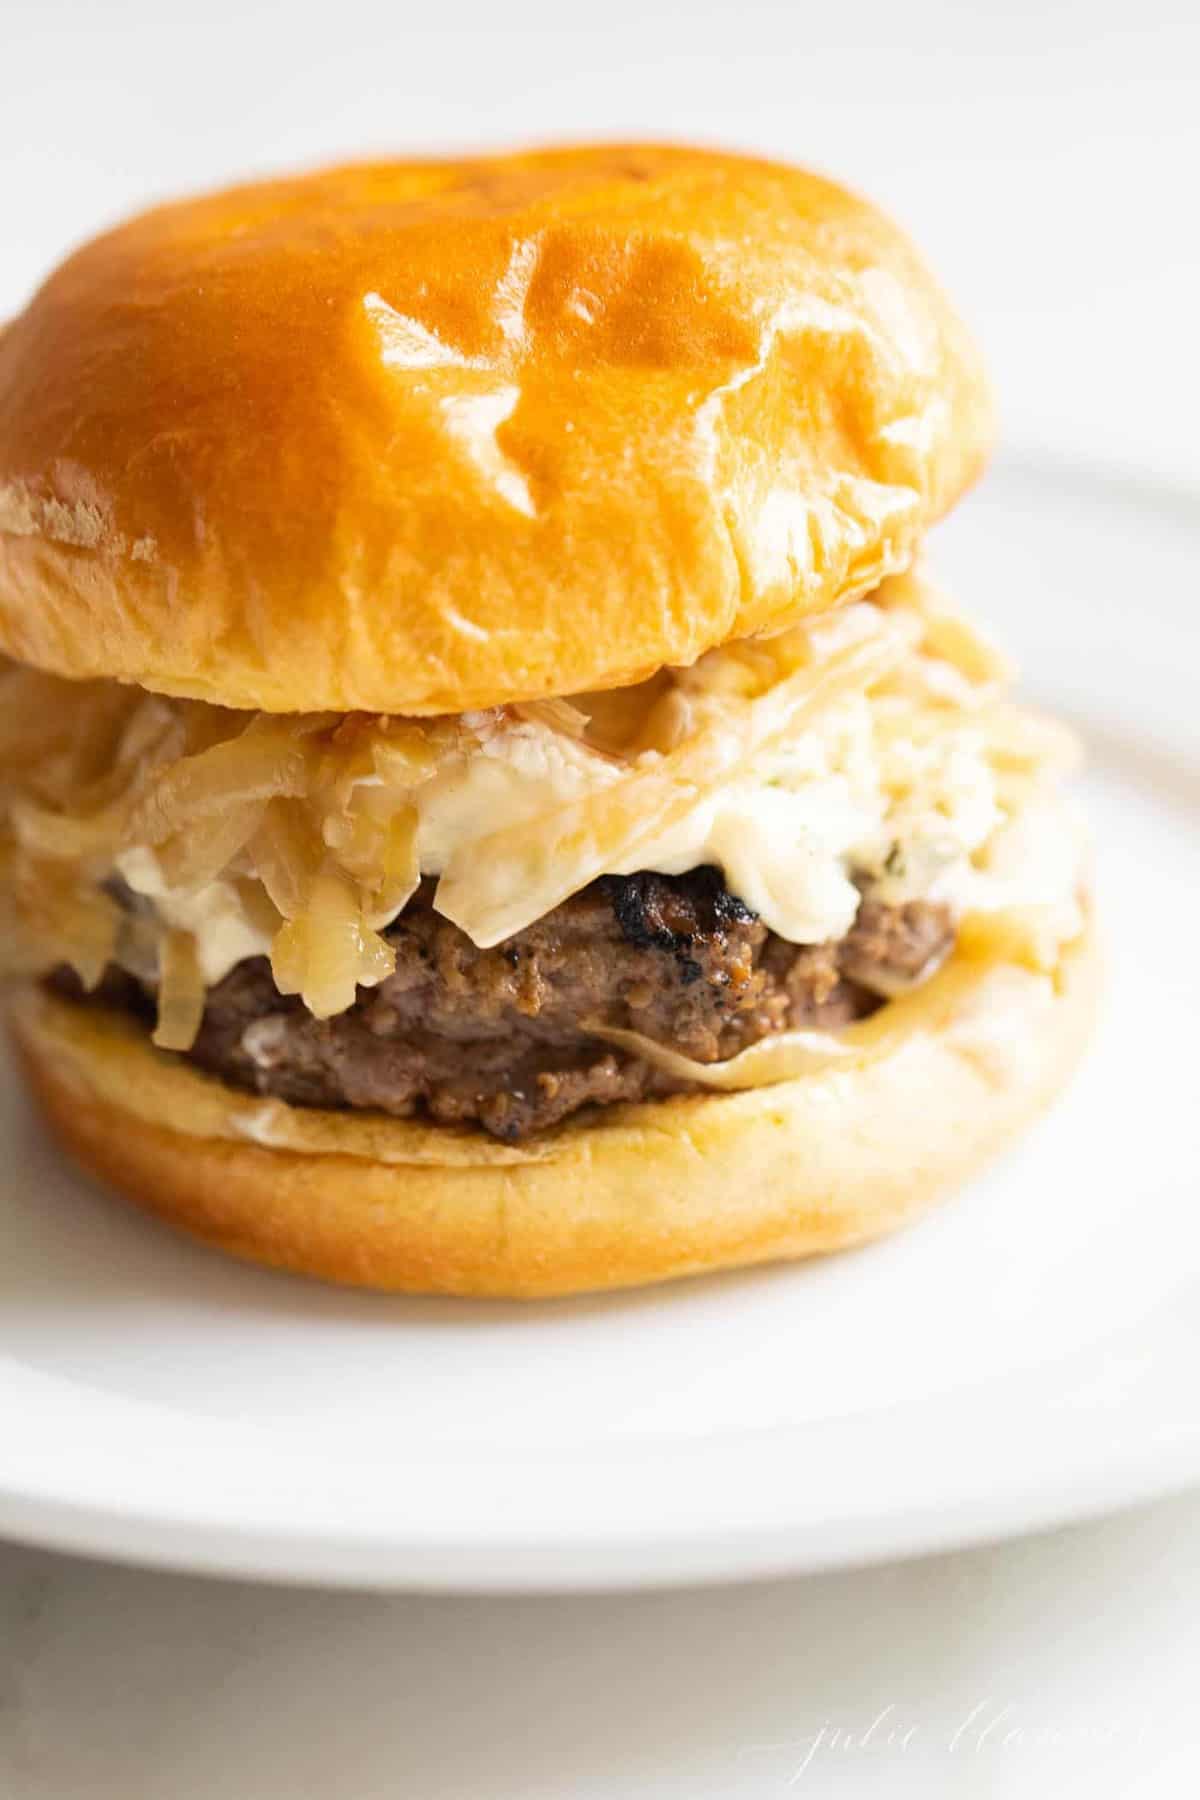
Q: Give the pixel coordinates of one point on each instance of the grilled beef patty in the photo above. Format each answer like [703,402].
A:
[498,1037]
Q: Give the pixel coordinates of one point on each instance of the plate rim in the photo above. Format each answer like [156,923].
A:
[718,1530]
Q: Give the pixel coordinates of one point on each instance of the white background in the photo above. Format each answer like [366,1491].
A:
[1047,156]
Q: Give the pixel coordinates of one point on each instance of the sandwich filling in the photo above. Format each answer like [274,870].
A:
[501,917]
[514,1038]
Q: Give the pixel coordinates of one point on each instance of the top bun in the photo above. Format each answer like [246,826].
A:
[427,436]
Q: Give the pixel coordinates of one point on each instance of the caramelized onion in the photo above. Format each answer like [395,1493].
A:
[180,992]
[493,888]
[772,1059]
[328,951]
[313,823]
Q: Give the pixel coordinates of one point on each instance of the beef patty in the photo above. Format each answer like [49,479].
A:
[499,1037]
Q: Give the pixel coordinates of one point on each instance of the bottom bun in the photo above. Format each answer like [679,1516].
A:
[933,1086]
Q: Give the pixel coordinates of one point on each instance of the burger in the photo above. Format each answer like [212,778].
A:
[491,801]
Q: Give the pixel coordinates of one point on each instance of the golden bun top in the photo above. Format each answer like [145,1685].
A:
[434,435]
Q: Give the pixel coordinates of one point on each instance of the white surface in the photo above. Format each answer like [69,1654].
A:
[1027,1353]
[1058,1665]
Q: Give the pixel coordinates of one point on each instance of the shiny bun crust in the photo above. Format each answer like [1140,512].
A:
[634,1195]
[427,436]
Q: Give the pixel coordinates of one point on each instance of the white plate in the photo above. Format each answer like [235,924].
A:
[1029,1353]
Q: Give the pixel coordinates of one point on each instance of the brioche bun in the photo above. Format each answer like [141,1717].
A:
[938,1083]
[421,437]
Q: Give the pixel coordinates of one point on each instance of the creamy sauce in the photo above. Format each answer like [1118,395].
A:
[790,833]
[214,915]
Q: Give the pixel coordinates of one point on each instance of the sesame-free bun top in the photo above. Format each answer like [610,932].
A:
[432,435]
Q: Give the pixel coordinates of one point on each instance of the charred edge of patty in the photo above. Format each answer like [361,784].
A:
[668,912]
